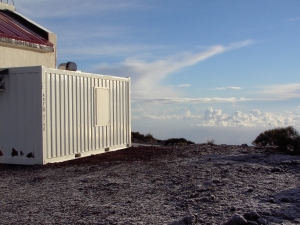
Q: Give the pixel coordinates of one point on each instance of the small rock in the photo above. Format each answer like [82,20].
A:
[226,171]
[204,199]
[285,199]
[276,169]
[252,223]
[203,189]
[237,220]
[262,221]
[194,195]
[297,220]
[288,216]
[201,221]
[295,162]
[252,216]
[216,181]
[212,197]
[84,180]
[272,200]
[190,220]
[265,213]
[37,179]
[232,209]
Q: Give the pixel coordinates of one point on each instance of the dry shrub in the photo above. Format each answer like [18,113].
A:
[286,139]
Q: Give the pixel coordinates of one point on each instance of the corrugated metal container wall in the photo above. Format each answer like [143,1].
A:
[70,113]
[80,113]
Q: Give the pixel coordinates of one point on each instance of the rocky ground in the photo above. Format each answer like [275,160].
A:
[198,184]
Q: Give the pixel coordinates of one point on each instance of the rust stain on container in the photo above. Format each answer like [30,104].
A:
[30,155]
[14,152]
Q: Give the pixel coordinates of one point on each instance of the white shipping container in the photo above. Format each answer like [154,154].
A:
[51,115]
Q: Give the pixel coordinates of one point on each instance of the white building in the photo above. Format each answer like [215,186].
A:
[23,42]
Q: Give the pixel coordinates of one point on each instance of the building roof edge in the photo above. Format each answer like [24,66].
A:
[7,6]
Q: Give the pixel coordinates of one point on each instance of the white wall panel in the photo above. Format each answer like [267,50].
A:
[20,116]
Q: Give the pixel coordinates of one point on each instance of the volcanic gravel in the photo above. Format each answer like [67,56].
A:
[196,184]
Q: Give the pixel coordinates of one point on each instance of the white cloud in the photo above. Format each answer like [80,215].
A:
[146,76]
[184,85]
[279,92]
[237,45]
[294,19]
[226,88]
[188,100]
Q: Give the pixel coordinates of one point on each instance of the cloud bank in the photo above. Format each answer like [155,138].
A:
[211,117]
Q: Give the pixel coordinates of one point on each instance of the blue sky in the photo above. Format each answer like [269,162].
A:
[223,70]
